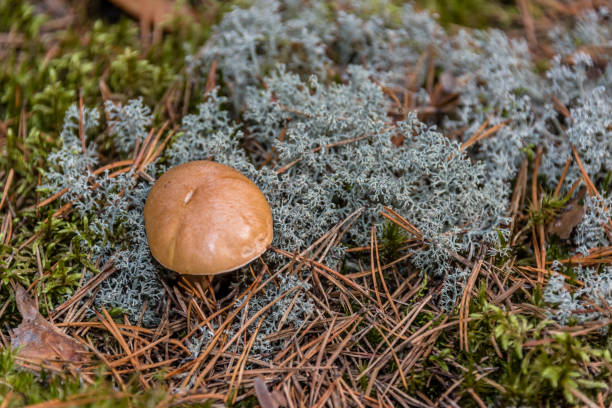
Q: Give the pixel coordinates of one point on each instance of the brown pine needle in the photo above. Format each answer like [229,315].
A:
[82,135]
[53,197]
[272,152]
[464,308]
[479,130]
[402,222]
[139,152]
[528,23]
[210,79]
[129,357]
[373,268]
[113,165]
[486,134]
[572,189]
[106,362]
[560,107]
[538,237]
[7,185]
[114,330]
[317,149]
[156,148]
[589,183]
[562,178]
[382,278]
[585,175]
[240,365]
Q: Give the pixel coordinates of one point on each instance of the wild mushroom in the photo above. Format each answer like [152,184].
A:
[204,218]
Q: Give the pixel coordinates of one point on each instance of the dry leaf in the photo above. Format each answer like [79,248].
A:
[155,11]
[267,399]
[39,340]
[448,82]
[600,55]
[572,215]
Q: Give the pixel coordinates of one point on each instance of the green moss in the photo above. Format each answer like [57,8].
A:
[536,367]
[557,249]
[472,13]
[24,387]
[533,365]
[77,60]
[19,16]
[393,238]
[549,208]
[374,337]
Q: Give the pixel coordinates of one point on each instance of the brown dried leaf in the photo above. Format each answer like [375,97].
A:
[268,399]
[155,11]
[600,55]
[563,225]
[448,82]
[565,222]
[39,340]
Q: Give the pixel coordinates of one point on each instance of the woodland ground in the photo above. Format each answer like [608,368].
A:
[366,298]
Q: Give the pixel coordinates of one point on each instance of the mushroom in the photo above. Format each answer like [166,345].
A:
[204,218]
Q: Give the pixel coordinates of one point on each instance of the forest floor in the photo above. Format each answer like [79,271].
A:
[371,329]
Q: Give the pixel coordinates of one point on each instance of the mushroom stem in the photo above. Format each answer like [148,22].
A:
[204,281]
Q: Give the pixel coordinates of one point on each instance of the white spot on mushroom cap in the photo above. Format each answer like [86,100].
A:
[188,196]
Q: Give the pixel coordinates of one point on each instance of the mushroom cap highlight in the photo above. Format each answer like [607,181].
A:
[206,218]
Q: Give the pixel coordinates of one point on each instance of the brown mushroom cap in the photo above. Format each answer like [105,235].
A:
[205,218]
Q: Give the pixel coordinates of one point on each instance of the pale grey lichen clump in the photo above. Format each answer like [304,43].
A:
[592,232]
[314,77]
[290,308]
[70,167]
[498,85]
[590,302]
[427,179]
[113,226]
[591,28]
[249,42]
[128,123]
[287,306]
